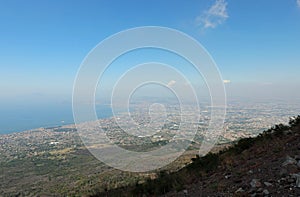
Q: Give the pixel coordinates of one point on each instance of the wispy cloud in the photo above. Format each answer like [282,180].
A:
[214,16]
[171,83]
[226,81]
[298,3]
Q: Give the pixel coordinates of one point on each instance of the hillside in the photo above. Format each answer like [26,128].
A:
[268,165]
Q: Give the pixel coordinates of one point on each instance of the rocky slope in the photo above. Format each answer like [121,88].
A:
[268,165]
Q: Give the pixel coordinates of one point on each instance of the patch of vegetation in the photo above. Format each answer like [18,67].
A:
[242,145]
[207,163]
[163,184]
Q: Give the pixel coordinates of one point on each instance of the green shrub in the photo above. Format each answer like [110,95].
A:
[243,144]
[207,163]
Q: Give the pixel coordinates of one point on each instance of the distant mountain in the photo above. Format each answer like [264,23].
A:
[267,165]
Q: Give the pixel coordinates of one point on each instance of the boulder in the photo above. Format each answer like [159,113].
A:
[289,161]
[255,183]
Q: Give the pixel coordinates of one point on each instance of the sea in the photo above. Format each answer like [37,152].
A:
[22,118]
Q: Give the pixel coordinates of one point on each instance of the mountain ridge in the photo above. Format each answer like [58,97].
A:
[267,165]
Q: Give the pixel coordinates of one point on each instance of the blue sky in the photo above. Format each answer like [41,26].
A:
[256,44]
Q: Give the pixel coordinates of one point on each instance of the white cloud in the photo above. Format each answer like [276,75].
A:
[214,16]
[226,81]
[171,83]
[298,3]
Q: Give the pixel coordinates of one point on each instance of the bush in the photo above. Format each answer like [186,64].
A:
[163,184]
[207,163]
[243,144]
[294,121]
